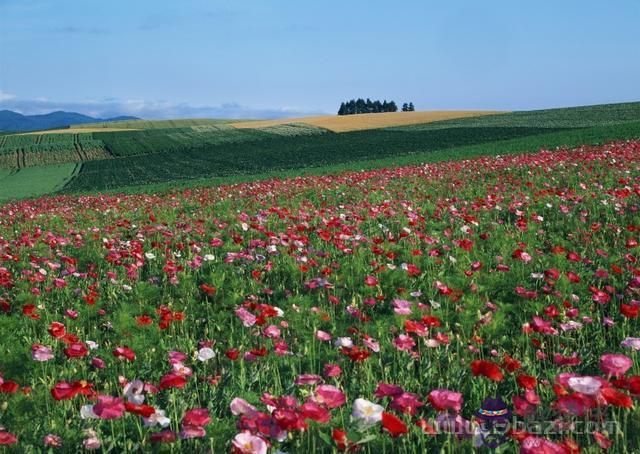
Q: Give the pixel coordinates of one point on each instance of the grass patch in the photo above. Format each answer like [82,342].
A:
[34,181]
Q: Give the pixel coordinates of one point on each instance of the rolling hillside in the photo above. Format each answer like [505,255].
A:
[118,155]
[359,122]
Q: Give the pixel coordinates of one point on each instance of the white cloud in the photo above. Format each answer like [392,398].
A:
[110,107]
[5,96]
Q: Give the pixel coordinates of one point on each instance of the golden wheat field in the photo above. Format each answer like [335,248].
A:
[369,121]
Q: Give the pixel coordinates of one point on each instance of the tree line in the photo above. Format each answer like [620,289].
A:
[360,106]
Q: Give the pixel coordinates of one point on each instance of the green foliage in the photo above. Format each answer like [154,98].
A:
[265,152]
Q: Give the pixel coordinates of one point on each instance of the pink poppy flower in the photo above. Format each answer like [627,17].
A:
[177,357]
[443,399]
[248,319]
[371,344]
[109,407]
[615,364]
[586,385]
[272,332]
[332,370]
[41,353]
[240,407]
[329,395]
[322,336]
[52,441]
[246,443]
[401,307]
[404,342]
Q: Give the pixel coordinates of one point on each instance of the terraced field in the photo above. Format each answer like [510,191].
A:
[22,150]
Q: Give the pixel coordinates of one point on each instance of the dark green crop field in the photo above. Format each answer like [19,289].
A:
[166,153]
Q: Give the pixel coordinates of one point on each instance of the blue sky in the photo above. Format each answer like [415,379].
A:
[266,58]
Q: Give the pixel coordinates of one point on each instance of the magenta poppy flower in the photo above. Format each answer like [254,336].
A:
[315,412]
[332,370]
[615,364]
[196,417]
[109,407]
[386,389]
[329,395]
[404,342]
[444,399]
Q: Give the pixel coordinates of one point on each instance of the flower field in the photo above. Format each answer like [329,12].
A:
[369,311]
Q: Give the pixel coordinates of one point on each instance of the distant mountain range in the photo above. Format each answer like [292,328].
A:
[13,121]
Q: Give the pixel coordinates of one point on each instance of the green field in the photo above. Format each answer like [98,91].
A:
[568,117]
[35,181]
[279,153]
[527,144]
[209,138]
[166,153]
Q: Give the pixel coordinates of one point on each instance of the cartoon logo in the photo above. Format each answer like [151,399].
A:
[493,420]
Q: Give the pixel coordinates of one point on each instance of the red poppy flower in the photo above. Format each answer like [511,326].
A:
[510,364]
[196,417]
[125,353]
[164,436]
[76,350]
[371,281]
[144,320]
[7,438]
[486,369]
[208,289]
[616,398]
[9,387]
[57,330]
[393,425]
[141,410]
[526,381]
[232,354]
[65,391]
[340,437]
[172,380]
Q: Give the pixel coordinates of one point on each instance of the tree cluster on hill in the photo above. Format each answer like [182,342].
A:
[360,106]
